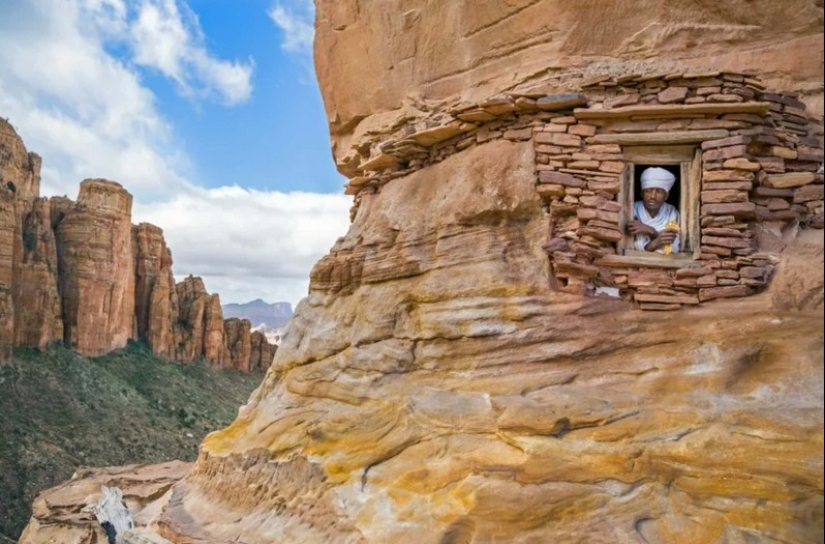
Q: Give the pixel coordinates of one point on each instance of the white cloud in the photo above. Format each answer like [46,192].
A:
[296,21]
[167,37]
[267,242]
[89,114]
[83,110]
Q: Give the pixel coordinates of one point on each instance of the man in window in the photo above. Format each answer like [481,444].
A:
[656,223]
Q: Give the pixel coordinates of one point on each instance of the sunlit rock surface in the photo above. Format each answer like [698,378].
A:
[97,284]
[27,250]
[65,514]
[439,392]
[433,389]
[156,299]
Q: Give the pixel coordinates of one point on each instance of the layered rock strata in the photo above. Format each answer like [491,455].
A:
[238,333]
[64,514]
[156,300]
[27,249]
[379,64]
[34,279]
[442,385]
[452,396]
[96,268]
[261,352]
[81,273]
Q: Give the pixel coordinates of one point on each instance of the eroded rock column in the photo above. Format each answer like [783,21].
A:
[156,299]
[94,239]
[35,293]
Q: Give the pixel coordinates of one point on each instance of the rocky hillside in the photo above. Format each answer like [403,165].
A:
[83,274]
[60,411]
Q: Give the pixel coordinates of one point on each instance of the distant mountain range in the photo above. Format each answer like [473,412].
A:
[268,319]
[274,316]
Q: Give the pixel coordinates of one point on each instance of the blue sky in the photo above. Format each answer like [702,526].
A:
[207,111]
[277,138]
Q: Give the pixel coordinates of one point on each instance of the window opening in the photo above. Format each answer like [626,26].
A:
[684,162]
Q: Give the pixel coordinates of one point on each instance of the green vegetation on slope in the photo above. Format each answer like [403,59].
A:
[59,411]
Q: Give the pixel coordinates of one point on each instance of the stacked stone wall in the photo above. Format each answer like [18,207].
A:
[756,159]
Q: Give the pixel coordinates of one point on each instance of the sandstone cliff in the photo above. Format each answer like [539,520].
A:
[96,268]
[81,273]
[205,332]
[448,395]
[156,299]
[23,254]
[379,64]
[475,361]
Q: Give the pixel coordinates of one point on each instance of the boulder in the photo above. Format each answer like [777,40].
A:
[66,513]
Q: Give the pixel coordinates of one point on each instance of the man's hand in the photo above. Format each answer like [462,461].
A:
[661,240]
[637,228]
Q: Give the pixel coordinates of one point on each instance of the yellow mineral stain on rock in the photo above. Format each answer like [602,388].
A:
[436,387]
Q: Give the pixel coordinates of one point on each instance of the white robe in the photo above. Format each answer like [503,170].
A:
[667,213]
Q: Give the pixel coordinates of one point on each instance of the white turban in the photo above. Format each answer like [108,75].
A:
[657,178]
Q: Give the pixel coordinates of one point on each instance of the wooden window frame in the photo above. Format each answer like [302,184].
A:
[689,158]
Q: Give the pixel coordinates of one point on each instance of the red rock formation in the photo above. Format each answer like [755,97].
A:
[96,268]
[380,64]
[83,274]
[35,287]
[238,341]
[156,299]
[193,299]
[201,325]
[262,352]
[8,236]
[27,250]
[214,348]
[19,169]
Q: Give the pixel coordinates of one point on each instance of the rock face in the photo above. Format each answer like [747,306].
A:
[96,268]
[64,514]
[202,327]
[19,169]
[23,253]
[262,352]
[35,285]
[453,379]
[8,238]
[156,301]
[433,388]
[238,333]
[440,384]
[81,273]
[377,63]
